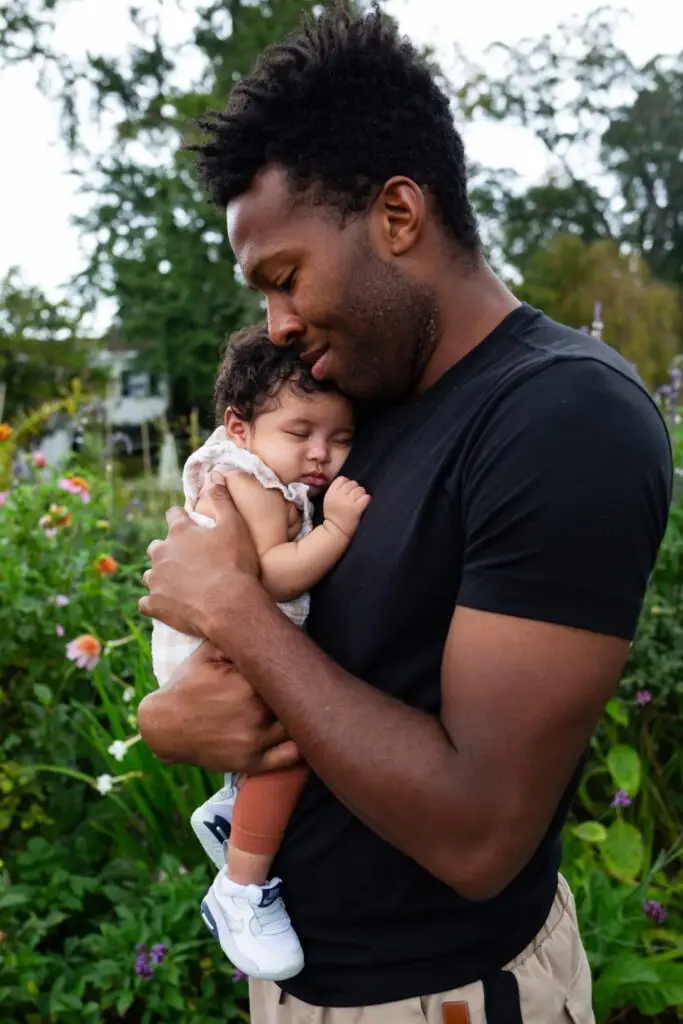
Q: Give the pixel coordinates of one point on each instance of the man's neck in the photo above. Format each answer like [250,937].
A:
[472,304]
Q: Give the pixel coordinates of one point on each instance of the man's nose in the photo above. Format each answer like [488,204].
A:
[285,326]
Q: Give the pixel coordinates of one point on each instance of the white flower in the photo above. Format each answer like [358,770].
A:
[128,694]
[118,750]
[104,784]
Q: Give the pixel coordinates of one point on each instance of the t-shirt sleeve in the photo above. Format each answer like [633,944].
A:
[565,499]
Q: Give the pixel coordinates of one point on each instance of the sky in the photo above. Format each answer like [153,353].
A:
[38,197]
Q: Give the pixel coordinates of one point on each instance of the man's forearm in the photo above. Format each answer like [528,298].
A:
[394,767]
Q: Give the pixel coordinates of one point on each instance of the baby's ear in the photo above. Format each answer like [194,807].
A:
[235,429]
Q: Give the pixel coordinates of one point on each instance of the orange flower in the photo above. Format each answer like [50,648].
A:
[5,431]
[75,485]
[60,516]
[105,565]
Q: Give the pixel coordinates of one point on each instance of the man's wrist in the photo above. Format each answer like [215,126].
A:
[226,621]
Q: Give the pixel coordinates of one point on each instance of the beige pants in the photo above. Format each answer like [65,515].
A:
[548,983]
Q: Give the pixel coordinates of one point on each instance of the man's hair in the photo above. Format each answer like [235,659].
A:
[254,371]
[343,104]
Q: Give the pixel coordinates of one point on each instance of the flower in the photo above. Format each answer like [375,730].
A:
[182,870]
[56,517]
[119,748]
[238,975]
[4,495]
[104,784]
[75,485]
[163,876]
[621,799]
[39,460]
[158,952]
[643,697]
[143,968]
[59,630]
[105,565]
[128,694]
[61,600]
[85,650]
[5,431]
[655,910]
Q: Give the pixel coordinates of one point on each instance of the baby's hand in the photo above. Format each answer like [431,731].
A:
[344,504]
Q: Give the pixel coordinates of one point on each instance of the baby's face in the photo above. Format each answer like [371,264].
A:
[304,437]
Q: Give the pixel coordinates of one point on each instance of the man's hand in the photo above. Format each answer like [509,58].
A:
[209,716]
[197,570]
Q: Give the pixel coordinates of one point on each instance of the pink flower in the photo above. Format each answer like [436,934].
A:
[75,485]
[643,697]
[85,650]
[4,495]
[61,600]
[39,460]
[59,630]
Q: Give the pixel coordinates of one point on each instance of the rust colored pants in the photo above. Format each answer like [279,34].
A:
[263,806]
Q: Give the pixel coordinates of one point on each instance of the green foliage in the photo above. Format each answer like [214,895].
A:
[642,316]
[42,348]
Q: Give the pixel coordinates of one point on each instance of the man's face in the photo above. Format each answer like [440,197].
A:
[355,317]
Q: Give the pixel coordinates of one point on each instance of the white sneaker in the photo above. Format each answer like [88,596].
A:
[211,822]
[253,928]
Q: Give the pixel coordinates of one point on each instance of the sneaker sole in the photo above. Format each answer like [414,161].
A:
[215,922]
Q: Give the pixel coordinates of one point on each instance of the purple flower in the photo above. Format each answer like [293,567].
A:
[158,952]
[621,799]
[143,968]
[643,697]
[59,630]
[655,910]
[239,975]
[61,600]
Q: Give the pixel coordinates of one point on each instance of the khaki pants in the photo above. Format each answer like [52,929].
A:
[548,983]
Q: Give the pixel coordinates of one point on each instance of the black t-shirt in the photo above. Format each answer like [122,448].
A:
[533,479]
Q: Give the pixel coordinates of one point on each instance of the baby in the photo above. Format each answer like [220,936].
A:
[284,438]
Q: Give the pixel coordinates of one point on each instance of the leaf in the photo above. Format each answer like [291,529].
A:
[43,693]
[625,768]
[616,709]
[590,832]
[623,851]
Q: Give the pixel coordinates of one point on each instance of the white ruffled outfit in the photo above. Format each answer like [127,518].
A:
[169,647]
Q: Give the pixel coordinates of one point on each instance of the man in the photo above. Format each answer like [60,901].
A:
[460,656]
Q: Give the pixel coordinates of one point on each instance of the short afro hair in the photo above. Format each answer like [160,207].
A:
[254,371]
[343,104]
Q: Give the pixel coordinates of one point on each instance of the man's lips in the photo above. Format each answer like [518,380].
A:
[317,360]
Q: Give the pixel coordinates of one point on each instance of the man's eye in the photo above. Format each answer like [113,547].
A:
[288,283]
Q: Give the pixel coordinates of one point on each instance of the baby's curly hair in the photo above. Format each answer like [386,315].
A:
[343,104]
[253,372]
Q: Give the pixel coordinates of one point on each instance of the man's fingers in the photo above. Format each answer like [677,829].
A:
[272,736]
[174,515]
[145,578]
[286,755]
[153,545]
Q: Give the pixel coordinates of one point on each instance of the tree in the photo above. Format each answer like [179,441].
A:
[42,348]
[642,317]
[615,163]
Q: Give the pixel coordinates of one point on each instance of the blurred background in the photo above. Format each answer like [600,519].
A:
[117,291]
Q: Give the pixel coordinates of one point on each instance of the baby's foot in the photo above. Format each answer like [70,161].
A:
[253,928]
[211,821]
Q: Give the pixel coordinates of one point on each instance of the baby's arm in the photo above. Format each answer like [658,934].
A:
[288,568]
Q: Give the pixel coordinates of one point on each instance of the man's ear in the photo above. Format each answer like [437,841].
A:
[399,213]
[235,428]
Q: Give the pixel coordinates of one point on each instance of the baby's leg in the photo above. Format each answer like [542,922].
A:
[262,809]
